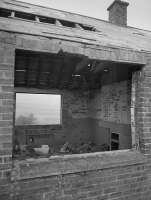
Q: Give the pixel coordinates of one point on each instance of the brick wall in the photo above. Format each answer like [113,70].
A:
[6,109]
[124,175]
[107,177]
[115,176]
[143,107]
[110,112]
[112,103]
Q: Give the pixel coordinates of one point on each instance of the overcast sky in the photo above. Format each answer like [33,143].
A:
[139,11]
[44,107]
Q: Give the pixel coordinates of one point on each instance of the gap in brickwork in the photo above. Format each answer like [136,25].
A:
[47,20]
[88,28]
[24,16]
[5,13]
[27,16]
[67,23]
[95,106]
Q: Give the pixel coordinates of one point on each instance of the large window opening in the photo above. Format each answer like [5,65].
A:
[71,105]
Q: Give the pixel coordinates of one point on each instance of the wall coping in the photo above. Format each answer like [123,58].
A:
[75,163]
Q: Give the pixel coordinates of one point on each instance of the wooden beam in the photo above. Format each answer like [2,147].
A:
[55,76]
[32,69]
[68,69]
[45,69]
[20,70]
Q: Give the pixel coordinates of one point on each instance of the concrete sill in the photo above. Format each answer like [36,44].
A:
[76,163]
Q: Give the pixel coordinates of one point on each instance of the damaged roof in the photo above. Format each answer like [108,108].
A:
[20,17]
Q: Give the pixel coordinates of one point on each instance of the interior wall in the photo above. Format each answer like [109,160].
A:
[110,112]
[75,126]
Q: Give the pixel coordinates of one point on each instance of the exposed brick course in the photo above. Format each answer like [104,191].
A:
[123,182]
[6,112]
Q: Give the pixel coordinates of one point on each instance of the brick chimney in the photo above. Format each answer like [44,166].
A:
[118,12]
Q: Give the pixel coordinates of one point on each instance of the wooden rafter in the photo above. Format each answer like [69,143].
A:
[32,69]
[54,78]
[20,70]
[68,69]
[44,70]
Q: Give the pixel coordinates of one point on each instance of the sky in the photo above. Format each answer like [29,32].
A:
[44,107]
[139,11]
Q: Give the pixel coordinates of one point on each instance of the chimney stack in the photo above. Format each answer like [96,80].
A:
[118,12]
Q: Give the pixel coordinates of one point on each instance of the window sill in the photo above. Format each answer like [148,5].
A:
[75,163]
